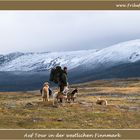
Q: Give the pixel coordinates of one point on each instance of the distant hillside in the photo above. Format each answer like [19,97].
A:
[28,71]
[24,81]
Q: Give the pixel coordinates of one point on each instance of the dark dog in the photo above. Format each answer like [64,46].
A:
[71,96]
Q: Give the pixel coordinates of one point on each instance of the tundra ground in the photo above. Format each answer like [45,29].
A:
[26,109]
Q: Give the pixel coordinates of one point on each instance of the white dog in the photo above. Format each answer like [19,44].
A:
[60,95]
[101,101]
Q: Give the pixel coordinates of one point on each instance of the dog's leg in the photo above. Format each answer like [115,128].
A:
[73,100]
[61,101]
[54,99]
[47,98]
[67,100]
[53,102]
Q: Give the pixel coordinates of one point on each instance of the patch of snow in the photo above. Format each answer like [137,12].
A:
[126,52]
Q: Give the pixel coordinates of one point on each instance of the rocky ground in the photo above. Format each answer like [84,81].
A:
[26,109]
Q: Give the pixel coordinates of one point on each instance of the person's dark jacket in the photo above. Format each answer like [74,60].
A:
[63,79]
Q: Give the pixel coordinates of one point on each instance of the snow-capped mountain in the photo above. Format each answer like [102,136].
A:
[28,71]
[43,61]
[122,53]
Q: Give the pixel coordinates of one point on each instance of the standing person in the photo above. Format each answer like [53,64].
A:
[63,82]
[59,76]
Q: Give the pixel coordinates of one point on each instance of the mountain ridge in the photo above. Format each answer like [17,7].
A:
[20,72]
[121,53]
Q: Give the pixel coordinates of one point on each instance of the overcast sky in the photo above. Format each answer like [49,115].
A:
[39,31]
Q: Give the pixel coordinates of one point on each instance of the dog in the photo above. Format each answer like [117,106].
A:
[54,96]
[71,96]
[45,92]
[60,95]
[101,101]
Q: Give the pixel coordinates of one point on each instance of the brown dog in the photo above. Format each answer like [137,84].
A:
[101,101]
[45,92]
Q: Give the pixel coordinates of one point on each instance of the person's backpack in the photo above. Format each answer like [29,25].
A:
[52,74]
[55,74]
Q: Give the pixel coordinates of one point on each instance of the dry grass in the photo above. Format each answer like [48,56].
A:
[122,111]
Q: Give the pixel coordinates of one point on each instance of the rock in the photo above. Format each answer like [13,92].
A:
[28,105]
[55,106]
[134,108]
[10,105]
[90,124]
[34,120]
[123,107]
[131,108]
[86,104]
[60,119]
[37,120]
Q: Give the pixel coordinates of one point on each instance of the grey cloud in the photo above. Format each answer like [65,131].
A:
[65,30]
